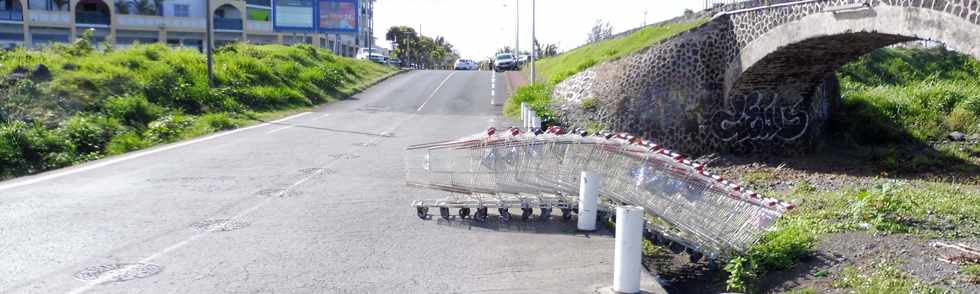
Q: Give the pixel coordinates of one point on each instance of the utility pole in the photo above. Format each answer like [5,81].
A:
[517,31]
[210,44]
[534,39]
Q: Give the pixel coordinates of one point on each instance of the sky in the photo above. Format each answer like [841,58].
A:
[478,27]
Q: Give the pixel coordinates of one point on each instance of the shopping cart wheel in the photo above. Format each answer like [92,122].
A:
[694,256]
[481,214]
[422,211]
[504,214]
[526,214]
[676,248]
[464,212]
[545,214]
[444,212]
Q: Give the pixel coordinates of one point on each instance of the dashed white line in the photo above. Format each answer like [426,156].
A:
[113,275]
[436,91]
[101,164]
[493,88]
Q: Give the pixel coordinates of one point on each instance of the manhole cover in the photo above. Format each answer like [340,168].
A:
[219,225]
[271,192]
[345,156]
[317,171]
[372,109]
[118,272]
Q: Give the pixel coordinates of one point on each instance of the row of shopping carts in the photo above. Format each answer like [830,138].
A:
[540,170]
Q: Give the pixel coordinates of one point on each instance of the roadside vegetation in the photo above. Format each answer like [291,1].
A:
[553,70]
[72,103]
[901,95]
[900,107]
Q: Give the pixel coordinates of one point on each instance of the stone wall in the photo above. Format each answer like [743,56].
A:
[753,81]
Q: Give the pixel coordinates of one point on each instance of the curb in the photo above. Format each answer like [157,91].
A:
[360,89]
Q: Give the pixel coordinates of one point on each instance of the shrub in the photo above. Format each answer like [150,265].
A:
[127,142]
[27,149]
[537,96]
[134,111]
[90,134]
[168,128]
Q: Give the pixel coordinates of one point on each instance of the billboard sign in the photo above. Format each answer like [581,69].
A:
[294,15]
[339,16]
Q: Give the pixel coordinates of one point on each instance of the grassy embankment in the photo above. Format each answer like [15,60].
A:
[892,98]
[70,103]
[553,70]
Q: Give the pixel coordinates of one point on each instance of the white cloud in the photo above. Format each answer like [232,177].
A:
[478,27]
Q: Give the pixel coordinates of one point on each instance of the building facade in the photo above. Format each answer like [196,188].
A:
[37,23]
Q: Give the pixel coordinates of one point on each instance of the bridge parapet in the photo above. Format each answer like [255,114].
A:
[758,79]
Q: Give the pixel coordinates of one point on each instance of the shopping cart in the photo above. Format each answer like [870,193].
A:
[695,210]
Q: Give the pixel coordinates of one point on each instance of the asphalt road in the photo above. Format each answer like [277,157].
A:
[316,203]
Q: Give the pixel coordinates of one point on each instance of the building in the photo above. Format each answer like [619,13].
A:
[174,22]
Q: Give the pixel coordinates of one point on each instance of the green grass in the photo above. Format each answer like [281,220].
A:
[918,208]
[558,68]
[553,70]
[909,95]
[971,273]
[70,103]
[881,279]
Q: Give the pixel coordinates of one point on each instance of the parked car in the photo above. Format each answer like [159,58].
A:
[373,54]
[395,62]
[505,61]
[465,64]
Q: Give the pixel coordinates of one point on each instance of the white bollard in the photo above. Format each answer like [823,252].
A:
[629,245]
[588,198]
[524,114]
[530,119]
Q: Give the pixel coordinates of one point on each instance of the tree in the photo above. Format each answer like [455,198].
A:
[548,50]
[601,30]
[421,50]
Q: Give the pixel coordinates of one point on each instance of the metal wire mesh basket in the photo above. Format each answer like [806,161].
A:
[712,215]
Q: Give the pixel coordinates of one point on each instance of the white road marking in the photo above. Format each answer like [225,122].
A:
[131,156]
[115,274]
[436,91]
[277,130]
[493,89]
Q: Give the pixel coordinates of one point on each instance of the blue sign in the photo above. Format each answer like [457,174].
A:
[294,15]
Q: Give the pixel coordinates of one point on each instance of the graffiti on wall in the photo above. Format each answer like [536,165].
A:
[761,117]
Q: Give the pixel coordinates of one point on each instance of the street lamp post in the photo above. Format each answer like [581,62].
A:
[534,39]
[210,43]
[517,31]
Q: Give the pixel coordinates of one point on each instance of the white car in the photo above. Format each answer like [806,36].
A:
[372,54]
[505,61]
[465,64]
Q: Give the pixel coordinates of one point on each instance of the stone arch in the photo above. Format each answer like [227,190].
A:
[802,53]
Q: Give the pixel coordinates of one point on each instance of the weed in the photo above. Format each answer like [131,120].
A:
[881,279]
[537,96]
[971,273]
[804,187]
[758,178]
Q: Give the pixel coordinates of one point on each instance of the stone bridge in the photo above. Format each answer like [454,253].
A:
[758,79]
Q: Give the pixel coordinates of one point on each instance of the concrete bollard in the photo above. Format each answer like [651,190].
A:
[588,201]
[629,246]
